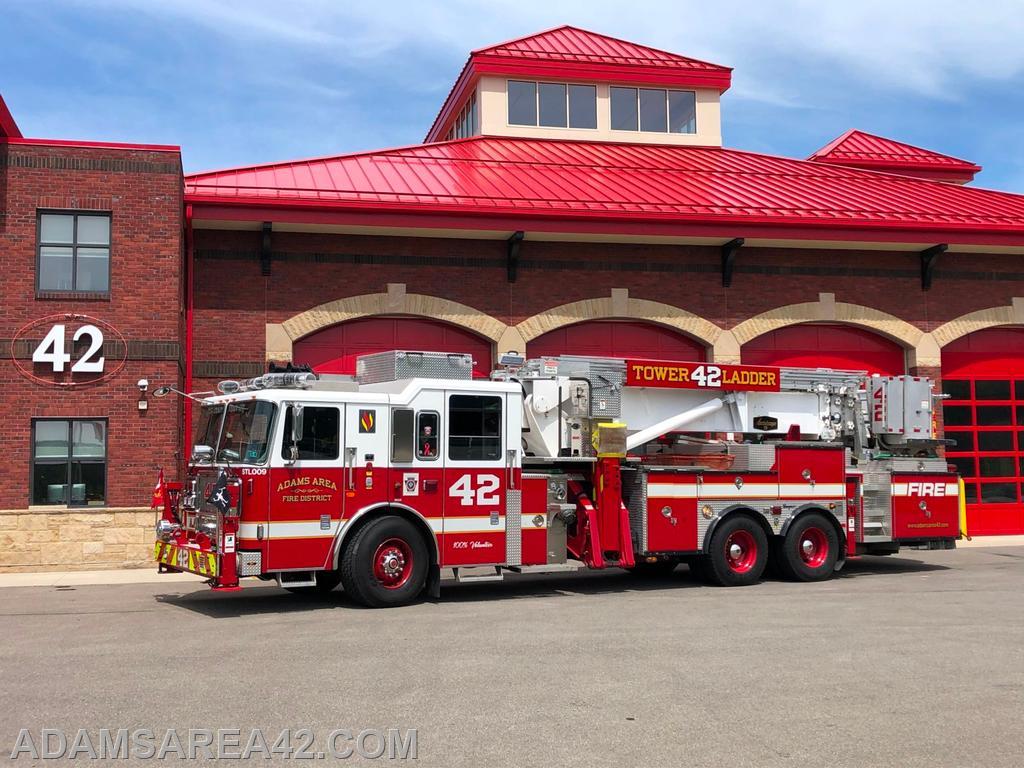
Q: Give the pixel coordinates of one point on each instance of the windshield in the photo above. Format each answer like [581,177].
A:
[242,434]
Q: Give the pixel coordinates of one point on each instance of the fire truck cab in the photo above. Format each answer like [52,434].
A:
[377,482]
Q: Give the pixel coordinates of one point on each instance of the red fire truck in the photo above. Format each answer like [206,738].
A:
[379,481]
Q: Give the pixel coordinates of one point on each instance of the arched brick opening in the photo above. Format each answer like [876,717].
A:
[617,338]
[334,349]
[826,345]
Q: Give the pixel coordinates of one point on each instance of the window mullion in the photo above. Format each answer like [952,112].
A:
[74,256]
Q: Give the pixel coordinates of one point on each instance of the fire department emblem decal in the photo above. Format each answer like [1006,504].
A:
[411,483]
[367,422]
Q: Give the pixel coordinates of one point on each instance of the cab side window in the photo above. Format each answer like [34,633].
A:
[321,434]
[428,425]
[474,427]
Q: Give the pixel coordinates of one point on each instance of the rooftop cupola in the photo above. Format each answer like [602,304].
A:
[568,83]
[857,149]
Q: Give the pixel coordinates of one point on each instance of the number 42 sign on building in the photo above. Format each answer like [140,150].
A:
[84,349]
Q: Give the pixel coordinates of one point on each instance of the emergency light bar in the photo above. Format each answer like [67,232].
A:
[268,381]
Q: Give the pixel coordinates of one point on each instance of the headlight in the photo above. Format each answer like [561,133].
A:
[208,525]
[165,528]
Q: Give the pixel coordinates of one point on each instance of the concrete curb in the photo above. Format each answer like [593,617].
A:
[83,578]
[993,541]
[147,575]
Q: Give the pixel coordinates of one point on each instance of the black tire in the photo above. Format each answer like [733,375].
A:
[657,570]
[738,552]
[385,563]
[326,582]
[809,550]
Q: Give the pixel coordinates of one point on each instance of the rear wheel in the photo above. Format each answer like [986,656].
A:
[810,549]
[738,553]
[385,563]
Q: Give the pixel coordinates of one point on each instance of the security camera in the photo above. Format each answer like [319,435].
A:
[143,385]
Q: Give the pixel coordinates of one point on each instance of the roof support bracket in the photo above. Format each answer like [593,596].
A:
[928,258]
[729,251]
[265,249]
[512,255]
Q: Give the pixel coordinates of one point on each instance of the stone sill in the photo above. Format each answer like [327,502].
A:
[51,509]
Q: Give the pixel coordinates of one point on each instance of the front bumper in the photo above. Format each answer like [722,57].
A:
[190,559]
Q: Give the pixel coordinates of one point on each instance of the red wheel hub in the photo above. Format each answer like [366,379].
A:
[392,563]
[813,547]
[741,551]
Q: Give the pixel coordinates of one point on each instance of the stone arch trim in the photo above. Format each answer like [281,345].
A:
[394,302]
[620,307]
[1012,314]
[816,312]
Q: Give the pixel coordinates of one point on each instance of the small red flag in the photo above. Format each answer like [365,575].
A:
[159,493]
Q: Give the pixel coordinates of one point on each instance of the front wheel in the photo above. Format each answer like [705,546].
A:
[385,564]
[810,549]
[738,553]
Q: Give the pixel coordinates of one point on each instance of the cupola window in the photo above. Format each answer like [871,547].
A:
[552,105]
[654,110]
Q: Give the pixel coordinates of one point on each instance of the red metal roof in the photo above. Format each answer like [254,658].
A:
[570,53]
[858,149]
[654,189]
[567,43]
[8,128]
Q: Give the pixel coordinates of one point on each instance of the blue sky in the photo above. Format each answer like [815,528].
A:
[238,82]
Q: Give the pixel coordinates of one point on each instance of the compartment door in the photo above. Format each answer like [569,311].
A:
[306,495]
[476,479]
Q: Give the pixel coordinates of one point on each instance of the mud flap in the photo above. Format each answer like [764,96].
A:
[433,586]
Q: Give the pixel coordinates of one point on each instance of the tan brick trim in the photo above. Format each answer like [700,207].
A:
[393,302]
[620,306]
[1011,314]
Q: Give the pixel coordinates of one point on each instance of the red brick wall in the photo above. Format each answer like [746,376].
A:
[473,272]
[142,190]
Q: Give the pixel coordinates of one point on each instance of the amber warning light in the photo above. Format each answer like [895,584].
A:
[661,373]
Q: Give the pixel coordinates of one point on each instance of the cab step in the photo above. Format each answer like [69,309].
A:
[566,567]
[296,579]
[483,573]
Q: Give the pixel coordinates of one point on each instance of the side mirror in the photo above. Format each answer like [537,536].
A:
[296,433]
[202,453]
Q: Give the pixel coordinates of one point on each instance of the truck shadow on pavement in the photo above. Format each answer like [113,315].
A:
[271,600]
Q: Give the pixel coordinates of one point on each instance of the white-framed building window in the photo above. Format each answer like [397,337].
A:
[73,252]
[467,123]
[654,110]
[552,105]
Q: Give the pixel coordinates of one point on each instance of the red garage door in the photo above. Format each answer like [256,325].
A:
[617,338]
[335,349]
[983,374]
[826,346]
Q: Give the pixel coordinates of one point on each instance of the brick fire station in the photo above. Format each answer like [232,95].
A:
[572,196]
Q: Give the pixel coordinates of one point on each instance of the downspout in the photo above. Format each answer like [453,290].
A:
[189,307]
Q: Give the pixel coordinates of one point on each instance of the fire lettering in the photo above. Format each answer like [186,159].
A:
[926,489]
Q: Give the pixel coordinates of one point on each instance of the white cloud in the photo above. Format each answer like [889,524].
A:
[921,46]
